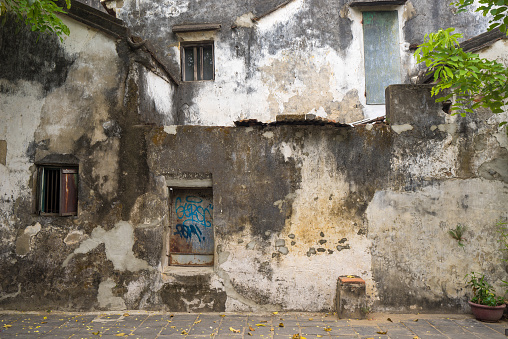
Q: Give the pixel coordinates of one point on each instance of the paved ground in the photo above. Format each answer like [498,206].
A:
[237,326]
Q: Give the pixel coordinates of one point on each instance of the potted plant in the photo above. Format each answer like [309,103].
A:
[485,304]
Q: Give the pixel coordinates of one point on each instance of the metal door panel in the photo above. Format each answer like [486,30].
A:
[191,225]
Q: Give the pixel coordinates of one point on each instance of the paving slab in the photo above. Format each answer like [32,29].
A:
[163,325]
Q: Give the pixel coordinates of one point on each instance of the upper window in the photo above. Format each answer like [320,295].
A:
[198,62]
[57,190]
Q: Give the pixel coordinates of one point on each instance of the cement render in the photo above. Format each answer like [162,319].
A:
[275,325]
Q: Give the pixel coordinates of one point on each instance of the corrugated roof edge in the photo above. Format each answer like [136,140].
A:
[373,121]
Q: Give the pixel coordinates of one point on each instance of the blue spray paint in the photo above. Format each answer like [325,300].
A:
[186,231]
[192,217]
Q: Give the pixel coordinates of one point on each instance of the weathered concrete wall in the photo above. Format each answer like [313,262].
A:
[304,57]
[295,206]
[66,100]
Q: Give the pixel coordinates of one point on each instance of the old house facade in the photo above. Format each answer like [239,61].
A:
[202,157]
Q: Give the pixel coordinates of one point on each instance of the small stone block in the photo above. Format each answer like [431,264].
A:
[351,297]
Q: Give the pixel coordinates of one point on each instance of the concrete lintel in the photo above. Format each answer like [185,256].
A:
[195,28]
[189,183]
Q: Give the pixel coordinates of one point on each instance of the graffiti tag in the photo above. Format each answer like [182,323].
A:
[186,231]
[192,211]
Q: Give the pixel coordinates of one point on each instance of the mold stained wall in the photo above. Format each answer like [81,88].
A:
[295,207]
[288,208]
[70,98]
[305,57]
[56,97]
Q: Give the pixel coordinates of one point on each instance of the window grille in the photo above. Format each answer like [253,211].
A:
[57,190]
[198,62]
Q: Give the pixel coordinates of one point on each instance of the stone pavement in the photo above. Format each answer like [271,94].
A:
[137,324]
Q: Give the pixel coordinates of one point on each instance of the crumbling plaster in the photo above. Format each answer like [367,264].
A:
[118,243]
[74,105]
[290,60]
[294,206]
[333,212]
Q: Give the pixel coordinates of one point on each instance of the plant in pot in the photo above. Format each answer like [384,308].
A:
[485,304]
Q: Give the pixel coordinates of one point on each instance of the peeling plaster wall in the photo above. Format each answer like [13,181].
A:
[377,202]
[70,98]
[297,206]
[294,206]
[304,57]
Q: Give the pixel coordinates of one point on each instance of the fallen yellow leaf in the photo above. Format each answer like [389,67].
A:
[120,335]
[415,320]
[7,326]
[233,330]
[197,322]
[328,329]
[96,333]
[319,336]
[351,276]
[172,326]
[44,322]
[381,332]
[260,325]
[223,315]
[281,325]
[275,312]
[184,332]
[251,328]
[249,333]
[311,319]
[126,314]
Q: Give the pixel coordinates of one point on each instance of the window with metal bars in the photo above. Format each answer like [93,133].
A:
[197,62]
[57,190]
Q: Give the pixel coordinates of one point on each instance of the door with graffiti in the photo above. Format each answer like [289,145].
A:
[191,235]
